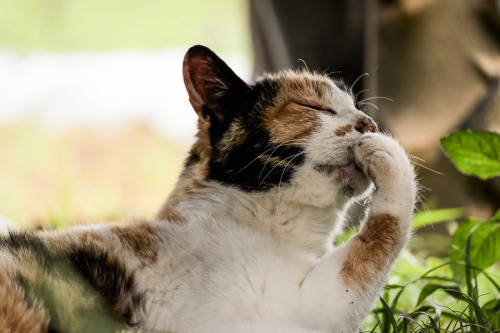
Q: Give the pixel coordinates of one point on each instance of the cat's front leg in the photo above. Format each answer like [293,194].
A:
[348,281]
[369,254]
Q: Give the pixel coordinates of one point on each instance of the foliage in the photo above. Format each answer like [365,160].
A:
[474,153]
[460,292]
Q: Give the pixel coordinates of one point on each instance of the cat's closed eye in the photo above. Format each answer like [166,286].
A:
[319,108]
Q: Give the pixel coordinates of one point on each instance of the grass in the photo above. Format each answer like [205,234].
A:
[455,292]
[66,25]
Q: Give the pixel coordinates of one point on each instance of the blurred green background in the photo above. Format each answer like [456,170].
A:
[69,25]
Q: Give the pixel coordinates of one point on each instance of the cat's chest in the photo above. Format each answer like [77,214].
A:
[240,273]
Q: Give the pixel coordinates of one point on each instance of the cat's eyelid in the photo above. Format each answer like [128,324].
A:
[329,110]
[332,111]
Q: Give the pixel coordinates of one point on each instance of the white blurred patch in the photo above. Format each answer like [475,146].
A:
[103,90]
[6,225]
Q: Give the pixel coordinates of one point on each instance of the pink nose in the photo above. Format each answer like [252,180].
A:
[365,124]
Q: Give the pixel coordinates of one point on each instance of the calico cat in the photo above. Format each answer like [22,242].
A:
[245,241]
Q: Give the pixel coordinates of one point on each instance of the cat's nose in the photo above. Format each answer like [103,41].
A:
[365,124]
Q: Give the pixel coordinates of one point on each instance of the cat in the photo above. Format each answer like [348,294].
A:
[245,241]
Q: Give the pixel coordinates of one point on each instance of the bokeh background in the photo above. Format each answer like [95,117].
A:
[94,118]
[95,122]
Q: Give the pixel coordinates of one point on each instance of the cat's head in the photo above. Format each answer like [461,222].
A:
[291,132]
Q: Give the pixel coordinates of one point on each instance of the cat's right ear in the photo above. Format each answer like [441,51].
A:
[210,83]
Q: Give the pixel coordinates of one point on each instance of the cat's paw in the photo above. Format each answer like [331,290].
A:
[383,160]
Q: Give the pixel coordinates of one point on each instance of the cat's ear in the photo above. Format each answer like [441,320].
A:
[210,83]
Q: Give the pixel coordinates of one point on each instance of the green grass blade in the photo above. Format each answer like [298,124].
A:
[430,217]
[389,317]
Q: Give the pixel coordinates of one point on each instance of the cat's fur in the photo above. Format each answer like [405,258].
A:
[244,243]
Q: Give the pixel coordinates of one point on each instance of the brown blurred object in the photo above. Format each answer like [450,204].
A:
[438,60]
[327,35]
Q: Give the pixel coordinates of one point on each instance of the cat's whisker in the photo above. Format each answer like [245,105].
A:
[256,158]
[304,63]
[356,81]
[413,158]
[284,169]
[377,97]
[267,161]
[331,73]
[359,93]
[368,103]
[269,171]
[299,141]
[416,157]
[265,164]
[427,168]
[278,164]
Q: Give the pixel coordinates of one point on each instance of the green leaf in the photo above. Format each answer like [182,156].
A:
[492,311]
[457,250]
[430,217]
[484,246]
[474,153]
[426,291]
[487,251]
[496,217]
[429,289]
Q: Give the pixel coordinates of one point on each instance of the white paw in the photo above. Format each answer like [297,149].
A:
[383,160]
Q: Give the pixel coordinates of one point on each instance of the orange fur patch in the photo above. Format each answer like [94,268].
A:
[16,316]
[292,119]
[90,239]
[141,238]
[343,130]
[371,250]
[273,160]
[291,122]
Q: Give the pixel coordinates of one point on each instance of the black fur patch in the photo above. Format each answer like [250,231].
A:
[16,241]
[349,188]
[342,86]
[241,166]
[108,276]
[192,159]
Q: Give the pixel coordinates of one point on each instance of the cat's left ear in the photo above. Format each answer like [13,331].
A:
[210,83]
